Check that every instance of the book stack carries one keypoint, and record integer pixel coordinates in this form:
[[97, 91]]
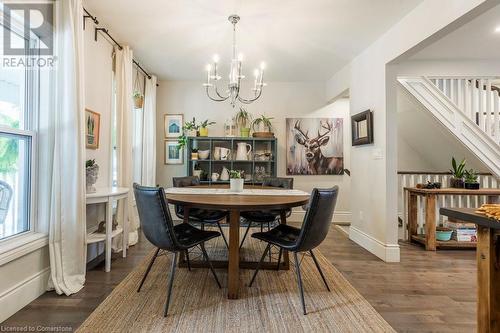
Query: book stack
[[463, 232]]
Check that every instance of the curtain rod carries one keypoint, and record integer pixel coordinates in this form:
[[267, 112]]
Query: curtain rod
[[106, 32]]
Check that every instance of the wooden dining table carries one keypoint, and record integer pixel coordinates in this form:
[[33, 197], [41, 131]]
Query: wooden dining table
[[234, 204]]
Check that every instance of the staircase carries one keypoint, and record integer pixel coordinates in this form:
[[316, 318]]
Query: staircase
[[468, 107]]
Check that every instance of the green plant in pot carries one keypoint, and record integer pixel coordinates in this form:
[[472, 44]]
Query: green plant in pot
[[91, 175], [262, 127], [457, 173], [138, 99], [190, 128], [243, 119], [204, 127], [236, 180], [471, 182]]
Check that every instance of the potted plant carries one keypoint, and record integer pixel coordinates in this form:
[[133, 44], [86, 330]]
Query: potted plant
[[91, 174], [194, 153], [236, 181], [197, 170], [204, 127], [243, 119], [471, 182], [138, 99], [443, 234], [190, 128], [457, 173], [262, 127]]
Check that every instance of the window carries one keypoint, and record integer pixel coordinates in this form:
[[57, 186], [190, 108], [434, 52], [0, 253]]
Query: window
[[18, 109]]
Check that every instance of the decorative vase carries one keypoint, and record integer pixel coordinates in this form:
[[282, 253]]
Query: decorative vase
[[204, 131], [472, 186], [197, 173], [224, 175], [138, 102], [91, 174], [236, 184], [245, 132], [456, 182], [192, 132], [194, 156]]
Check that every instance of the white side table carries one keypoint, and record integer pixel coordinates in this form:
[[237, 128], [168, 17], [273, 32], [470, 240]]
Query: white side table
[[108, 195]]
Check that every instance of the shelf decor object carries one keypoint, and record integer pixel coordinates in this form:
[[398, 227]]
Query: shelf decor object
[[235, 76], [260, 162], [362, 128]]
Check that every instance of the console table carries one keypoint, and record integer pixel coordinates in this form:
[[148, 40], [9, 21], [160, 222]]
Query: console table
[[430, 195], [108, 195], [488, 266]]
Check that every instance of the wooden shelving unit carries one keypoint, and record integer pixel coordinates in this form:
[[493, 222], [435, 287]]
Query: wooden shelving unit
[[211, 165], [451, 244]]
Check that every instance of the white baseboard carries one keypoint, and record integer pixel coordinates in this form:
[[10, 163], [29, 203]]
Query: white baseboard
[[15, 298], [339, 217], [386, 252]]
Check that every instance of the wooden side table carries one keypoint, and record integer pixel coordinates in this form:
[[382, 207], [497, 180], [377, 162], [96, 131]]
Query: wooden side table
[[430, 196], [108, 195]]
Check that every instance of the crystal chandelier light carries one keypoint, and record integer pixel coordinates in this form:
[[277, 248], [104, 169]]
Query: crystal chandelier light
[[235, 76]]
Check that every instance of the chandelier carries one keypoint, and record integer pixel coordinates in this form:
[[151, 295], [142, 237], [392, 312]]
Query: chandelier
[[235, 76]]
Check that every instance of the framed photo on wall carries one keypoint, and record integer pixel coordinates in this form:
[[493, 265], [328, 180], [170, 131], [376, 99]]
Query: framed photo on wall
[[173, 125], [362, 128], [173, 153], [92, 129]]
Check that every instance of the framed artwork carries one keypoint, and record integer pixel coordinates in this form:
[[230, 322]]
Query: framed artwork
[[173, 125], [173, 153], [92, 129], [362, 128], [314, 146]]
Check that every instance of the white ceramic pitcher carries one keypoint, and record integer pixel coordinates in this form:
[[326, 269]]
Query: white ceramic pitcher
[[242, 153], [224, 175]]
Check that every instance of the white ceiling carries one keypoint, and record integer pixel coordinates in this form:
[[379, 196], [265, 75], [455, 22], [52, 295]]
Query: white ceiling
[[475, 40], [299, 40]]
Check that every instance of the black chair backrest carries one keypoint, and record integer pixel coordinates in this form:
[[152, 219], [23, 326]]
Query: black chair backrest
[[318, 218], [185, 181], [282, 182], [156, 222]]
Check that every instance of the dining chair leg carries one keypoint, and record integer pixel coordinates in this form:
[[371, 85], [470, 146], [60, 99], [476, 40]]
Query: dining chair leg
[[259, 264], [319, 269], [299, 280], [222, 233], [148, 269], [279, 258], [202, 246], [187, 259], [170, 282], [246, 233]]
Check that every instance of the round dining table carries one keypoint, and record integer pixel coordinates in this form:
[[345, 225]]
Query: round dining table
[[234, 204]]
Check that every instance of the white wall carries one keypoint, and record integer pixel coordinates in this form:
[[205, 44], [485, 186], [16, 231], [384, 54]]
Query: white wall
[[372, 86], [279, 100]]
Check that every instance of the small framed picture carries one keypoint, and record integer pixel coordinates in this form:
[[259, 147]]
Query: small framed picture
[[92, 129], [173, 125], [362, 128], [173, 153]]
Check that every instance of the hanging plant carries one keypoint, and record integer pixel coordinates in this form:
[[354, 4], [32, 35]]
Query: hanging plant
[[138, 100]]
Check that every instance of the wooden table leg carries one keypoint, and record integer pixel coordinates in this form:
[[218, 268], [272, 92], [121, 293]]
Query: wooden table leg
[[430, 222], [286, 258], [412, 215], [488, 281], [233, 271], [109, 227]]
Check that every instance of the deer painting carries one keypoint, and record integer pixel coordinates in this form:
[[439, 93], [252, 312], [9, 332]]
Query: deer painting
[[317, 163]]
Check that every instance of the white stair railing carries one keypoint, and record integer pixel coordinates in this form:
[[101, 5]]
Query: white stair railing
[[412, 178], [476, 97]]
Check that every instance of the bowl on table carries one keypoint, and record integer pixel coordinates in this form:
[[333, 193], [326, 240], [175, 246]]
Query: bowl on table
[[203, 154]]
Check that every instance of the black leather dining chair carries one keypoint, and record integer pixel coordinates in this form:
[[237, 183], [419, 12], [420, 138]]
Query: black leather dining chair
[[202, 216], [267, 217], [157, 226], [314, 229]]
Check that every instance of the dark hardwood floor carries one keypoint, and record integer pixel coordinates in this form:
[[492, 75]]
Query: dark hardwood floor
[[425, 292]]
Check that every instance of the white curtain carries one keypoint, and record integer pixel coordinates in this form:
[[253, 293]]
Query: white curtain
[[62, 144], [124, 86], [149, 135]]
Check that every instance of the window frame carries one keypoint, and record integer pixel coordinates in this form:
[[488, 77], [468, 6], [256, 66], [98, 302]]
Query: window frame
[[14, 246]]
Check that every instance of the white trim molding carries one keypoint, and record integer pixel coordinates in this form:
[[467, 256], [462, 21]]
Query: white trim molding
[[386, 252], [22, 245], [15, 298]]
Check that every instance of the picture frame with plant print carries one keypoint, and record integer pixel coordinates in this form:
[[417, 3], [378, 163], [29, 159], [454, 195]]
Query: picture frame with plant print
[[92, 129], [174, 154]]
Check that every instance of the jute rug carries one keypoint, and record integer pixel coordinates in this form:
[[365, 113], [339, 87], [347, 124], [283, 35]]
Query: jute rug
[[272, 304]]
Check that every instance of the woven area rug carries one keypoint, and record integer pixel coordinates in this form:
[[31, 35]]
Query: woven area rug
[[272, 304]]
